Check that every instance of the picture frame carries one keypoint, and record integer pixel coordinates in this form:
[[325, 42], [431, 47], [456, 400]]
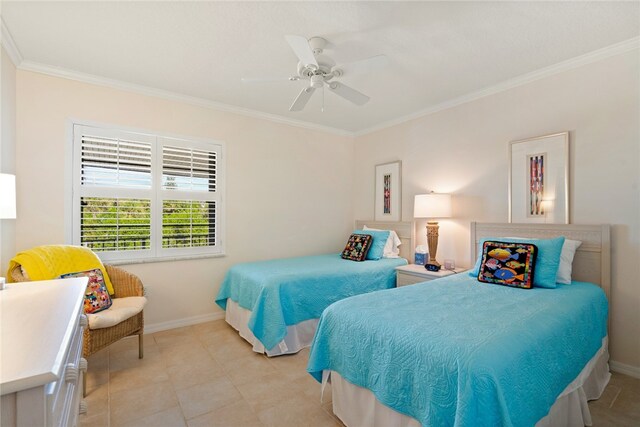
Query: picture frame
[[388, 192], [539, 179]]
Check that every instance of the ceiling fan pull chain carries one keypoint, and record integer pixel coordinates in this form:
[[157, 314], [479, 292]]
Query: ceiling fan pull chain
[[322, 109]]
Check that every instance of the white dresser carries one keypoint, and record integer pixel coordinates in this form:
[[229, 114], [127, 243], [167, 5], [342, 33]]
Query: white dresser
[[41, 364]]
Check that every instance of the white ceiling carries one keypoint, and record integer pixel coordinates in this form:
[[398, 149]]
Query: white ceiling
[[438, 51]]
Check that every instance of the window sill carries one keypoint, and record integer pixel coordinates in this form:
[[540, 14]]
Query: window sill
[[160, 259]]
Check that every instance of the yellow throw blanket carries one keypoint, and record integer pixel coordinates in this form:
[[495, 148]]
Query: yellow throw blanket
[[50, 261]]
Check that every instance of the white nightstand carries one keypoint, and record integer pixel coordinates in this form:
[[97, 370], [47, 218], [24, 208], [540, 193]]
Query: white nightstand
[[412, 273]]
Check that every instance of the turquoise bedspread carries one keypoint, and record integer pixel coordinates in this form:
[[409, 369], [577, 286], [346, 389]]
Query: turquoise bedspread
[[457, 352], [284, 292]]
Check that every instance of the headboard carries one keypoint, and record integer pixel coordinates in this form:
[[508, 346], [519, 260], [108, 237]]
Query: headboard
[[405, 231], [592, 262]]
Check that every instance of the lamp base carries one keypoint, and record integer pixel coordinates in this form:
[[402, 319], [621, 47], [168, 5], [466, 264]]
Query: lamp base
[[432, 241]]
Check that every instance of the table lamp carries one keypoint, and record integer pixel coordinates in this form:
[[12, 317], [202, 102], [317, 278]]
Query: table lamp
[[7, 202], [432, 206]]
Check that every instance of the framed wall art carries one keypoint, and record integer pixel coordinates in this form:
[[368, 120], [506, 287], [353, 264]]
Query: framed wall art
[[388, 189], [539, 179]]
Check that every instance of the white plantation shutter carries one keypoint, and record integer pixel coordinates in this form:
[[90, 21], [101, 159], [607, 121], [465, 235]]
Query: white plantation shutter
[[112, 162], [115, 224], [193, 226], [190, 196], [139, 196], [188, 169]]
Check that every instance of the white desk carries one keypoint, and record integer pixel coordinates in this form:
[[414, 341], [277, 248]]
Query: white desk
[[41, 364]]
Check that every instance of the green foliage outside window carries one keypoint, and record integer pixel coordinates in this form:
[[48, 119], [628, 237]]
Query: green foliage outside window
[[109, 224]]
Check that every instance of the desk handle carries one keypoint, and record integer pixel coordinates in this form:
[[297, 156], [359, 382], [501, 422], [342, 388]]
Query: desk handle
[[71, 373]]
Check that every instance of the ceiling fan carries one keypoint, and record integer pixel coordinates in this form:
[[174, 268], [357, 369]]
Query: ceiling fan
[[319, 70]]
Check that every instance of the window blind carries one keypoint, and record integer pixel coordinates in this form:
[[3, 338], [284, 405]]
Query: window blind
[[185, 168], [188, 223], [115, 224], [111, 162], [139, 196]]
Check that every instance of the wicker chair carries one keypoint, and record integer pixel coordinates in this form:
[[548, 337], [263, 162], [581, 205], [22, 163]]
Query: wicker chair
[[125, 285]]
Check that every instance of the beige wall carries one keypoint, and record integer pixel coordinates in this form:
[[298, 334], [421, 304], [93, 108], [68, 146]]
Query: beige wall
[[284, 183], [7, 150], [463, 150]]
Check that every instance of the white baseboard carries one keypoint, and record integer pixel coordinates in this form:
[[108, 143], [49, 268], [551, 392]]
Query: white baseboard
[[621, 368], [178, 323]]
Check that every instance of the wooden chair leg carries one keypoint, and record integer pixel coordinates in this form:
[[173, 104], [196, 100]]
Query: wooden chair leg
[[140, 347]]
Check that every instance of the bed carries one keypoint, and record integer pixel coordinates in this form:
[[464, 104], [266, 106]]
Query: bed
[[458, 352], [275, 304]]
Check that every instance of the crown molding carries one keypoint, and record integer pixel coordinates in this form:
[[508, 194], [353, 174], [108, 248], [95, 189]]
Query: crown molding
[[10, 45], [579, 61], [172, 96], [597, 55]]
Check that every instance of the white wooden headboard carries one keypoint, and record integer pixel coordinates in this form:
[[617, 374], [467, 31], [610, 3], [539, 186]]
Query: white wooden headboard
[[592, 262], [404, 229]]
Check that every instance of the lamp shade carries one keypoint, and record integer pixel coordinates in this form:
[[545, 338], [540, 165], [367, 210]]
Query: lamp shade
[[7, 196], [432, 206]]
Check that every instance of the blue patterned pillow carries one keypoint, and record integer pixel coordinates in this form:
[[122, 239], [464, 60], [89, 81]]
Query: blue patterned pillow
[[510, 264], [547, 262], [377, 246]]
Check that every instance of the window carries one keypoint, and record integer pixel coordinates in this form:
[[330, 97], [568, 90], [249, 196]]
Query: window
[[139, 197]]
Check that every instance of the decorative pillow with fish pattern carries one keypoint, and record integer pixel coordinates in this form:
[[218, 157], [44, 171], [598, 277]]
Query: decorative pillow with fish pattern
[[357, 247], [510, 264]]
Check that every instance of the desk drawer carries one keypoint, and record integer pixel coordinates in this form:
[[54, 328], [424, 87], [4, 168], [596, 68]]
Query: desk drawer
[[63, 399], [403, 279]]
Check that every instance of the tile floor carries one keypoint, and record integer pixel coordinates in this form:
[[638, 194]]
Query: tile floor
[[206, 375]]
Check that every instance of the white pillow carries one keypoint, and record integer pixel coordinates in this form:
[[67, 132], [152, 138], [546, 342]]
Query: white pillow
[[391, 247], [566, 260]]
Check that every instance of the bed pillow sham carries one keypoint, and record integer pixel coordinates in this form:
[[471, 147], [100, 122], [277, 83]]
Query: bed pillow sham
[[547, 262], [566, 261], [509, 264], [566, 258], [391, 249], [377, 245], [357, 247]]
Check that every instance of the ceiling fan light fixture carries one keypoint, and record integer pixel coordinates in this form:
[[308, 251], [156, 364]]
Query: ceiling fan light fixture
[[317, 81]]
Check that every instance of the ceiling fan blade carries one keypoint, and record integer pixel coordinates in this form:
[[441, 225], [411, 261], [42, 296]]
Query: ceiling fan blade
[[302, 99], [267, 79], [348, 93], [363, 65], [301, 48]]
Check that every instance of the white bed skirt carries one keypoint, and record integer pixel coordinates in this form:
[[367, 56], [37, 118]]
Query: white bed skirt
[[298, 336], [357, 406]]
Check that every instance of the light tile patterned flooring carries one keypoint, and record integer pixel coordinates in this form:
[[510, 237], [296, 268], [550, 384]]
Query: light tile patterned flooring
[[206, 375]]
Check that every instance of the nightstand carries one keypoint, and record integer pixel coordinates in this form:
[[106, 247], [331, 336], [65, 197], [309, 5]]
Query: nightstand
[[412, 273]]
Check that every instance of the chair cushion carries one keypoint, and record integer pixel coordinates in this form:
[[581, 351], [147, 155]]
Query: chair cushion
[[121, 309]]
